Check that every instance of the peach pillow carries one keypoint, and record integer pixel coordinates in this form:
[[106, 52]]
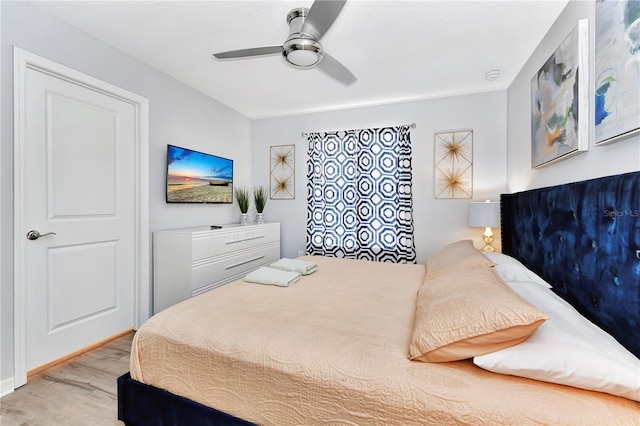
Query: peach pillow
[[455, 256], [469, 313]]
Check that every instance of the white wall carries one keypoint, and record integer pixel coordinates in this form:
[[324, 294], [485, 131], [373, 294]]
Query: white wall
[[436, 222], [603, 160], [178, 115]]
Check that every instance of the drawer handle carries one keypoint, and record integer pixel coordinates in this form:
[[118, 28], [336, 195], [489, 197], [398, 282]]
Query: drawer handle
[[242, 263], [244, 239]]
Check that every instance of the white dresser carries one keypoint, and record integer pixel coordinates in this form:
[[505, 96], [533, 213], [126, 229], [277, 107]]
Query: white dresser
[[190, 261]]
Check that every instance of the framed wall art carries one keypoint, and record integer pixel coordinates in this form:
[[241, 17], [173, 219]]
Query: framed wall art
[[283, 172], [453, 164], [617, 67], [559, 101]]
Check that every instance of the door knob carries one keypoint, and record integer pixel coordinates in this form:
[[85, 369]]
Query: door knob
[[34, 235]]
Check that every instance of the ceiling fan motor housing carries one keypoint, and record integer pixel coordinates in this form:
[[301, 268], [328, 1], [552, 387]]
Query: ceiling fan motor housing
[[300, 50]]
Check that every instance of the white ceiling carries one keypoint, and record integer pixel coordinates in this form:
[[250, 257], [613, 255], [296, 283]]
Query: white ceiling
[[398, 50]]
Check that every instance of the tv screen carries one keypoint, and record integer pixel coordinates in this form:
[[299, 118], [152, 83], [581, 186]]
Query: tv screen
[[196, 177]]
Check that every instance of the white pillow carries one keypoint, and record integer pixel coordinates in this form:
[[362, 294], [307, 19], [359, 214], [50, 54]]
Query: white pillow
[[511, 269], [567, 349]]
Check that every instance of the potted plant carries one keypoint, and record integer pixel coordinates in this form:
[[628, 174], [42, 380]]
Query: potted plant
[[242, 197], [260, 195]]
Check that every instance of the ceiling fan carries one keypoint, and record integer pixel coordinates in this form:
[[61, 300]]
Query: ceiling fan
[[302, 48]]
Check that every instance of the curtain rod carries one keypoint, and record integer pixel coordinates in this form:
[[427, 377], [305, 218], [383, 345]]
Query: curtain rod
[[412, 125]]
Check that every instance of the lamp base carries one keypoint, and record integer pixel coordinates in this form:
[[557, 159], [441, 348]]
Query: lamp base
[[488, 239]]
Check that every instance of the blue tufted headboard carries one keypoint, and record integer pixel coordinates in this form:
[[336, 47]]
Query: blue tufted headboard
[[584, 239]]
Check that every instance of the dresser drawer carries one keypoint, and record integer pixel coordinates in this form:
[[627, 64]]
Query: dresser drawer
[[208, 271], [227, 241], [191, 261]]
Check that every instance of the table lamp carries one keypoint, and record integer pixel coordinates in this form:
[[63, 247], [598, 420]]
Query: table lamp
[[485, 215]]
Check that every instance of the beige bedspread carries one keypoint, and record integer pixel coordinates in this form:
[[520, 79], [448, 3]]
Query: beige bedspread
[[333, 349]]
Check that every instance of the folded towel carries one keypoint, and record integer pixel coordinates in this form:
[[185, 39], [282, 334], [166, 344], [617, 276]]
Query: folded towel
[[264, 275], [301, 266]]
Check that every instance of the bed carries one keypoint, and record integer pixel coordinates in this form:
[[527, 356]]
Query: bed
[[354, 342]]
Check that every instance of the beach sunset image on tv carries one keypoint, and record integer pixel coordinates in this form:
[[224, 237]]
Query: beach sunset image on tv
[[196, 177]]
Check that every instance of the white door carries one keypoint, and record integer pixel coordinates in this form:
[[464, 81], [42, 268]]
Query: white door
[[78, 185]]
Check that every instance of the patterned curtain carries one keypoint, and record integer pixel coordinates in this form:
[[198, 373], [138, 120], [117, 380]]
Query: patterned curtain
[[359, 195]]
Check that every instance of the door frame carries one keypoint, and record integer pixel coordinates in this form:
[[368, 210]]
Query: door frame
[[22, 61]]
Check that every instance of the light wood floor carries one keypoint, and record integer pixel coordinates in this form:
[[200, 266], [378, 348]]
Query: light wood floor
[[79, 392]]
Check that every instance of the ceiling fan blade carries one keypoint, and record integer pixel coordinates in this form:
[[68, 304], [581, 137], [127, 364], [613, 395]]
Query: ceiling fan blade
[[321, 16], [332, 67], [243, 53]]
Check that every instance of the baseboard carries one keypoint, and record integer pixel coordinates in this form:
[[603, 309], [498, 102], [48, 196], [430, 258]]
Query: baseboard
[[6, 386], [81, 351]]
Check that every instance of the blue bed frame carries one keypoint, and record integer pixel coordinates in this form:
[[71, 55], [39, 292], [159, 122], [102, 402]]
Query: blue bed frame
[[582, 237], [142, 405]]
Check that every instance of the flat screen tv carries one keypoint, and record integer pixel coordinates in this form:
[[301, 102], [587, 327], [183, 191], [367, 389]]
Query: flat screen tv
[[196, 177]]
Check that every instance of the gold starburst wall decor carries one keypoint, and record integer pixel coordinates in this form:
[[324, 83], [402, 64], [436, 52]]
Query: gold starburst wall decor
[[453, 164], [283, 172]]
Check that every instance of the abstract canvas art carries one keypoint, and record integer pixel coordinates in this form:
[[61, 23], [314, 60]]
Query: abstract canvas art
[[283, 172], [559, 101], [453, 164], [617, 67]]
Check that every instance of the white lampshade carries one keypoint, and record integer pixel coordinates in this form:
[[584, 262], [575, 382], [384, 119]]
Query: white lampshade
[[485, 214]]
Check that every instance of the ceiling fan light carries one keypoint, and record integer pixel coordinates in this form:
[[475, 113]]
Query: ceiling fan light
[[302, 52], [303, 58]]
